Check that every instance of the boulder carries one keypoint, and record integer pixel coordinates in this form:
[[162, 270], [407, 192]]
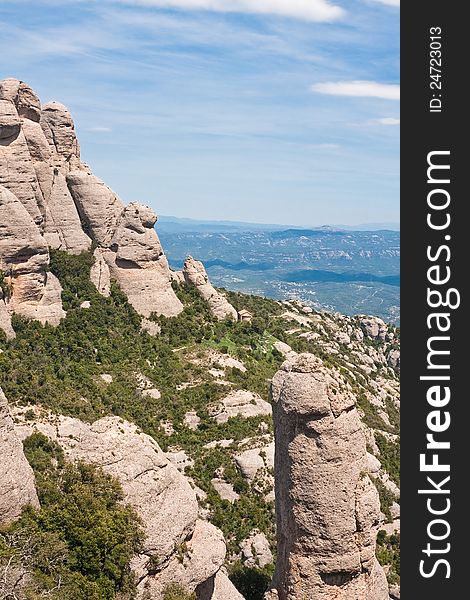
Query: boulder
[[59, 130], [239, 403], [251, 461], [373, 327], [98, 206], [255, 550], [218, 587]]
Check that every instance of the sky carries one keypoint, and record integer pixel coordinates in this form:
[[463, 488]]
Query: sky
[[270, 111]]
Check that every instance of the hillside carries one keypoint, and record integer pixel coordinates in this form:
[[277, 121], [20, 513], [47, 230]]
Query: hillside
[[151, 465]]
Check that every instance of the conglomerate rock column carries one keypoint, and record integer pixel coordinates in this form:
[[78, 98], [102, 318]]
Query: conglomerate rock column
[[327, 508]]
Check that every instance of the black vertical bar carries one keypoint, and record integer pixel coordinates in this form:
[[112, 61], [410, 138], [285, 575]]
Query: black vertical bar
[[434, 118]]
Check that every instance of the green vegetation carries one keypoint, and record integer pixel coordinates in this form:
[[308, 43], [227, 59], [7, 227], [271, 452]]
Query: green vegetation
[[79, 545], [371, 415], [386, 499], [4, 286], [59, 369], [252, 582], [388, 553], [389, 456], [393, 414]]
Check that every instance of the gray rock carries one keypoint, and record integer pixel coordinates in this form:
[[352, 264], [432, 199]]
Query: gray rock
[[218, 587], [373, 327], [393, 359], [139, 264], [241, 403], [255, 550], [251, 461], [195, 563], [10, 123], [99, 207], [99, 273], [192, 420], [327, 508], [59, 130], [17, 485], [35, 293], [150, 327], [23, 97], [195, 274], [224, 489], [5, 319], [185, 549]]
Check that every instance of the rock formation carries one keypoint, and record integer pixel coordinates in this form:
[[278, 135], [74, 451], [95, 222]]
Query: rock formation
[[179, 547], [56, 202], [32, 291], [327, 508], [195, 274], [17, 486]]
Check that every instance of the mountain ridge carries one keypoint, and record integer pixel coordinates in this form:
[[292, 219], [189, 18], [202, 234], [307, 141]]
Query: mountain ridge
[[144, 400]]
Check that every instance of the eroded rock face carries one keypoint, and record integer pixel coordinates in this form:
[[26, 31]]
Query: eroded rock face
[[373, 327], [179, 547], [17, 485], [38, 147], [5, 318], [327, 508], [195, 274], [24, 257], [40, 165], [138, 263]]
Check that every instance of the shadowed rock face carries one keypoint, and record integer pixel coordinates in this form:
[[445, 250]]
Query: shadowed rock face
[[327, 508], [17, 485]]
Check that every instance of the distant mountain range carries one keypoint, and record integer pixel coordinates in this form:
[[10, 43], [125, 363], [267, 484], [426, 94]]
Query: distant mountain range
[[344, 270], [172, 223]]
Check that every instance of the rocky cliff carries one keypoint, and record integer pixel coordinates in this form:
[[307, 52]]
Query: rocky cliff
[[327, 508], [160, 494], [177, 409], [50, 199]]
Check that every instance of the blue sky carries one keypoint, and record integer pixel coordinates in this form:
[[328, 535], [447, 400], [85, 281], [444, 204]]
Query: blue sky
[[279, 111]]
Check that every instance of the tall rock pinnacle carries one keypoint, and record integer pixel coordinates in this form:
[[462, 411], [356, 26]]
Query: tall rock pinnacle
[[327, 508], [195, 274]]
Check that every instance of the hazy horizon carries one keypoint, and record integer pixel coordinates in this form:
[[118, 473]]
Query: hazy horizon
[[392, 226]]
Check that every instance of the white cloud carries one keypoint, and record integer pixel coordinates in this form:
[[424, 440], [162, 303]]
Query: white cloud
[[309, 10], [388, 121], [366, 89], [389, 2]]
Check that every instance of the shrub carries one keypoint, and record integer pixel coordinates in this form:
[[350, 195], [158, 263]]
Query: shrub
[[79, 545]]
